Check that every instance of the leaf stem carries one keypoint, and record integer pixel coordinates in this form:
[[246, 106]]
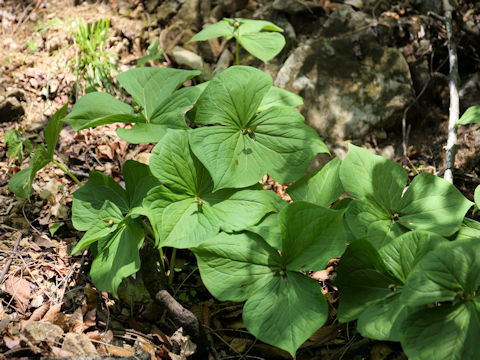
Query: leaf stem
[[237, 53], [66, 171], [172, 266]]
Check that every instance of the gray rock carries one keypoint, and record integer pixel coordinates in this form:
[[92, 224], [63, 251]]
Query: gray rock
[[10, 110], [350, 84]]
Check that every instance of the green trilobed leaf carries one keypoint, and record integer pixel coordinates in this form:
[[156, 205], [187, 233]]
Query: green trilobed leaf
[[138, 181], [89, 199], [232, 97], [370, 282], [469, 229], [109, 213], [167, 115], [452, 270], [53, 129], [406, 251], [449, 275], [263, 45], [234, 267], [447, 332], [117, 256], [382, 213], [97, 108], [173, 164], [109, 217], [188, 213], [284, 308], [280, 97], [433, 204], [269, 230], [321, 187], [142, 133], [246, 145], [372, 178], [361, 214], [295, 309], [471, 116], [312, 235], [150, 87], [221, 28]]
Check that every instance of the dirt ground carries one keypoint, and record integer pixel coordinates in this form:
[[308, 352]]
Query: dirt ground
[[43, 285]]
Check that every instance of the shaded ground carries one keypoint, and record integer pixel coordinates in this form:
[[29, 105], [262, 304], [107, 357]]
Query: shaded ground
[[43, 282]]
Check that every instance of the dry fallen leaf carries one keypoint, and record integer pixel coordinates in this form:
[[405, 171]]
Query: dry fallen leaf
[[19, 288], [76, 321], [54, 309], [79, 345]]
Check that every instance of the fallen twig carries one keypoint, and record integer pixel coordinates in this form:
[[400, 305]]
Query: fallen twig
[[10, 259], [186, 319], [453, 84]]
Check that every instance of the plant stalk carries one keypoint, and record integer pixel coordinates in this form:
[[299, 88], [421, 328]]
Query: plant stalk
[[453, 84], [237, 53], [66, 171], [172, 266]]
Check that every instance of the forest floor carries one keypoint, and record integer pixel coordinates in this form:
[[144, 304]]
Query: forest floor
[[42, 284]]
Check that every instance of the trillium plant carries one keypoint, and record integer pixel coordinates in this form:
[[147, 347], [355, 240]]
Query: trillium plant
[[409, 267]]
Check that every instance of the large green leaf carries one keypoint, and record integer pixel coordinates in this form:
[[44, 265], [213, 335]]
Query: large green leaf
[[370, 282], [109, 214], [232, 97], [98, 108], [449, 278], [185, 211], [433, 204], [118, 256], [312, 235], [447, 332], [287, 311], [321, 187], [471, 116], [247, 145], [372, 178], [469, 229], [150, 87], [280, 97], [382, 213], [169, 114], [283, 308], [89, 199], [109, 217]]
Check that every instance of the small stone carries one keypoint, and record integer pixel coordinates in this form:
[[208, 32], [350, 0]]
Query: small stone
[[187, 58], [223, 62], [43, 331], [37, 301]]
